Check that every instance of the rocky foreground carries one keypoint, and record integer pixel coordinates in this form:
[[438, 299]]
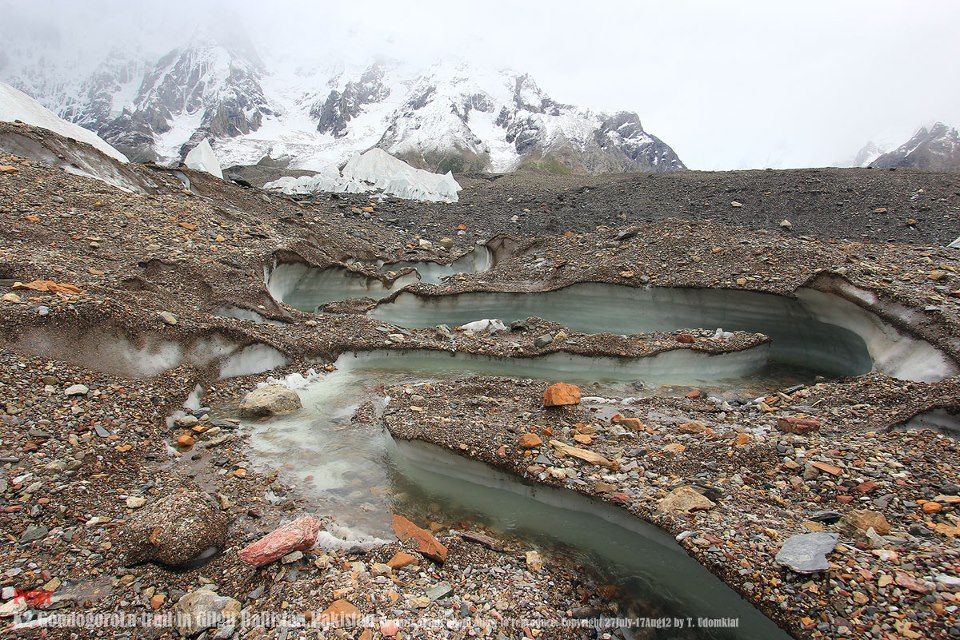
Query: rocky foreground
[[111, 499]]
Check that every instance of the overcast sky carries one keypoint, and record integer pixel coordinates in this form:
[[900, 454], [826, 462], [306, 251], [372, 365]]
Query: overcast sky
[[728, 84]]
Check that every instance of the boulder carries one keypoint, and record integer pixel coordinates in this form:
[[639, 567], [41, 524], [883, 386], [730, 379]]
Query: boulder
[[203, 609], [270, 400], [684, 500], [807, 552], [299, 535], [561, 394], [427, 545], [176, 530]]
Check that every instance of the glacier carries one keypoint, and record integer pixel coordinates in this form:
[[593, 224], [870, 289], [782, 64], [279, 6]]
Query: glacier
[[202, 158], [16, 105], [375, 170]]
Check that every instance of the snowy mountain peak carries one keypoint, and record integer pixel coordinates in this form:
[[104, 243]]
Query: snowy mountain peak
[[448, 116], [935, 147]]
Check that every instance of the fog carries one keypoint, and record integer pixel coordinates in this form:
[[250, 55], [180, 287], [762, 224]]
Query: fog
[[728, 85]]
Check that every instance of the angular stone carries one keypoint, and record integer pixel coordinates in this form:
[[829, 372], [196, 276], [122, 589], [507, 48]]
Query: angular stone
[[427, 545], [684, 500], [864, 519], [270, 400], [694, 426], [439, 591], [340, 614], [299, 535], [401, 559], [534, 561], [174, 530], [800, 426], [807, 552], [828, 468], [530, 441], [204, 609], [582, 454], [561, 394]]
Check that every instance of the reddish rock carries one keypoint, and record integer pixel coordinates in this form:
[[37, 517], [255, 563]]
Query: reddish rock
[[694, 394], [866, 487], [561, 394], [340, 613], [426, 543], [299, 535], [829, 468], [530, 441], [400, 560], [633, 424], [800, 426], [684, 338]]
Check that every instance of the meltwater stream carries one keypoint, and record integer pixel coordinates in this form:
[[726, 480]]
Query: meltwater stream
[[358, 473]]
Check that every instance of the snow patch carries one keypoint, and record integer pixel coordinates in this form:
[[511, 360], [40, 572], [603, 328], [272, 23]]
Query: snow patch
[[16, 105]]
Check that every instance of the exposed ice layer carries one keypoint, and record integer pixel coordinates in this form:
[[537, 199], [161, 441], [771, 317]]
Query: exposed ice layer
[[306, 288], [76, 159], [202, 158], [678, 367], [397, 178], [147, 355], [818, 331], [892, 351], [16, 105], [374, 170], [940, 419], [658, 569], [478, 260], [255, 358]]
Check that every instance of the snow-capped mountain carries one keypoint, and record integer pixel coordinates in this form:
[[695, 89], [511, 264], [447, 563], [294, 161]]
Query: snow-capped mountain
[[870, 152], [449, 116], [936, 147]]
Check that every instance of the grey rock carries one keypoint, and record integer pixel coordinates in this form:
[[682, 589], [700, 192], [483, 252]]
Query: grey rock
[[270, 400], [76, 390], [439, 591], [202, 610], [542, 341], [807, 552], [168, 318], [33, 533]]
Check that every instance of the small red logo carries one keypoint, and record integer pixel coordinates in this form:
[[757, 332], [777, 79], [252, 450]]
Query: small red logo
[[34, 596]]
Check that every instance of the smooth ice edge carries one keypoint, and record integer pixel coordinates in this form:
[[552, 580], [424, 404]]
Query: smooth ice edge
[[202, 158], [117, 354], [305, 287], [679, 366], [255, 358], [939, 419], [372, 170], [894, 352], [16, 105], [819, 330], [651, 553]]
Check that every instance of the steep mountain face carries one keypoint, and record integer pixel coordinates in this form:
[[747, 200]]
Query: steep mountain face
[[448, 117], [460, 119], [334, 114], [936, 148], [870, 152], [202, 91]]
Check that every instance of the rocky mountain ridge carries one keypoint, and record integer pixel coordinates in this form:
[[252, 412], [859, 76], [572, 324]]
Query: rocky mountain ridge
[[449, 116]]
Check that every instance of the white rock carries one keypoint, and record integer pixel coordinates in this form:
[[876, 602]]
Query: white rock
[[76, 390]]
